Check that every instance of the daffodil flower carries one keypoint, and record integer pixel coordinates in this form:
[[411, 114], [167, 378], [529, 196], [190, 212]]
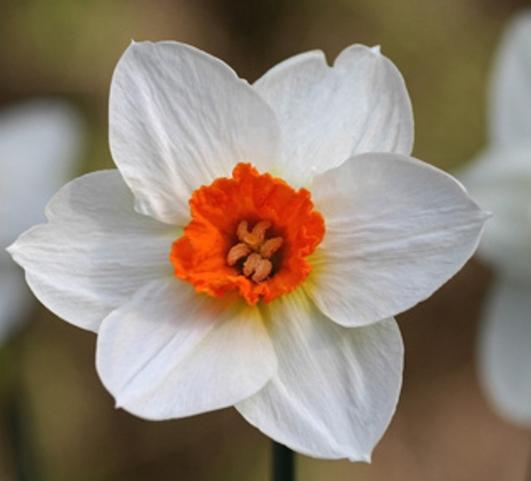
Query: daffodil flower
[[255, 243], [501, 178], [39, 141]]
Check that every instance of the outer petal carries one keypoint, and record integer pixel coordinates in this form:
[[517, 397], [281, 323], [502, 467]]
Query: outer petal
[[505, 354], [95, 251], [501, 181], [171, 352], [336, 389], [39, 142], [179, 118], [396, 230], [510, 115], [328, 113]]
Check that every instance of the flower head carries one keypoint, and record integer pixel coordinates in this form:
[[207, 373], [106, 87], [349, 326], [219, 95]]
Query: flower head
[[38, 145], [501, 179], [254, 243]]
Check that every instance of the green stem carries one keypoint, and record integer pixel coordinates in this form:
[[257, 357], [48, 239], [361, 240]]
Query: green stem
[[283, 463]]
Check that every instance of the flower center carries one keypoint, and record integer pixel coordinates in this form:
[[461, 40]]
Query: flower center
[[254, 252], [250, 233]]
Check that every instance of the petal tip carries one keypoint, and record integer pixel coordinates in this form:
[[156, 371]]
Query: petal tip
[[13, 250], [364, 458], [10, 249], [483, 216], [486, 215]]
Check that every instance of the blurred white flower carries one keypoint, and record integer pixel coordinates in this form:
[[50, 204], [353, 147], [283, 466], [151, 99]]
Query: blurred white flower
[[38, 143], [501, 179], [199, 284]]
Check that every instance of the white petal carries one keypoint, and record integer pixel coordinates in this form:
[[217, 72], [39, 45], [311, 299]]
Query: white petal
[[328, 113], [39, 142], [510, 115], [396, 230], [500, 180], [505, 354], [179, 118], [15, 298], [95, 251], [336, 389], [171, 352]]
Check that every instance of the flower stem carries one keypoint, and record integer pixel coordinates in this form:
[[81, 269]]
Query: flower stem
[[283, 463]]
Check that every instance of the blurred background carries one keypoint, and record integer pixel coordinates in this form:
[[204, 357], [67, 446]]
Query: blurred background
[[58, 423]]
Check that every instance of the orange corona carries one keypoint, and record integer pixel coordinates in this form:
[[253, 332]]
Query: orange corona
[[249, 233]]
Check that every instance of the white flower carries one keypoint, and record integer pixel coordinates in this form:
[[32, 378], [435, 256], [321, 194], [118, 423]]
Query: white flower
[[501, 179], [314, 361], [38, 141]]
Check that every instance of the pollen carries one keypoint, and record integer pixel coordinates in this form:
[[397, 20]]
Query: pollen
[[251, 234]]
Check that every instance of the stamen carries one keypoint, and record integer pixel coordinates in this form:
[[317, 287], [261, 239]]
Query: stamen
[[238, 252], [251, 264], [255, 238], [260, 229], [270, 246], [262, 270], [242, 230], [255, 249]]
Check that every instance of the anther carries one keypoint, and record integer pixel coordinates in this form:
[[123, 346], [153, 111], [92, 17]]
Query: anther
[[255, 238], [262, 270], [260, 229], [242, 230], [270, 246], [238, 252], [251, 264]]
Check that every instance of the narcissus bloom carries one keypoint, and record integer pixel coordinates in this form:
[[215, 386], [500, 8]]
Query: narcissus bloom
[[255, 243], [501, 178], [39, 141]]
